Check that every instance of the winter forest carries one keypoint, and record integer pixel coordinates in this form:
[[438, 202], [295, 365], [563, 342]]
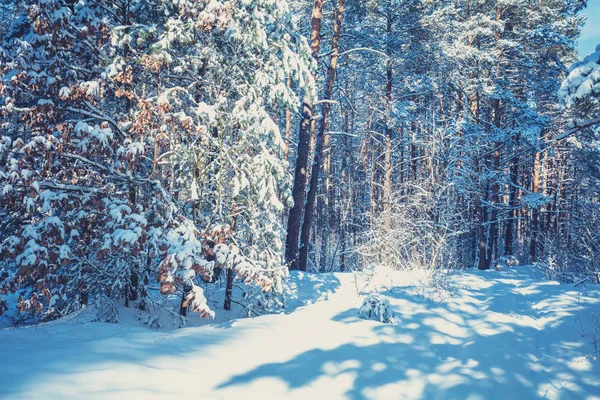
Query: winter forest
[[363, 199]]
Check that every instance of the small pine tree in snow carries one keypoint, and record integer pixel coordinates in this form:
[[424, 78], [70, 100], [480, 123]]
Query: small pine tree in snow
[[376, 307]]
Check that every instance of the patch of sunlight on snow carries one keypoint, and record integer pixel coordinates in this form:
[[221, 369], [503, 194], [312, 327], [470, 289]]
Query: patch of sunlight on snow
[[474, 282], [515, 282], [580, 364], [552, 322], [457, 319], [535, 367], [408, 309], [498, 374], [324, 387], [333, 368], [442, 325], [475, 374], [388, 331], [484, 328], [379, 367], [467, 369], [438, 339], [410, 388], [447, 381], [522, 380], [514, 319], [468, 308], [526, 291], [559, 301], [405, 339], [565, 376], [475, 397], [546, 283], [556, 389], [389, 335], [450, 364], [275, 386]]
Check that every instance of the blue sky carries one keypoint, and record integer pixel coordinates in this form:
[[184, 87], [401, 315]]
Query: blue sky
[[590, 35]]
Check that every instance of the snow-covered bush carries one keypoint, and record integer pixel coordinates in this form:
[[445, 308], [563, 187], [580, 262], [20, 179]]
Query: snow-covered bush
[[435, 285], [424, 232], [376, 307], [570, 258], [506, 262]]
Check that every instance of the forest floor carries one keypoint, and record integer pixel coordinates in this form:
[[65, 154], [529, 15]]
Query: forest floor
[[474, 335]]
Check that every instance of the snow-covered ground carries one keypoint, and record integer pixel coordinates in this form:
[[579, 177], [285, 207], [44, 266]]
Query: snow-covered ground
[[503, 335]]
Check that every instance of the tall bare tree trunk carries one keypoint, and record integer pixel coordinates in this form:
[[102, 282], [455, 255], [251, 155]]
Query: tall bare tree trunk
[[304, 134], [345, 200], [323, 129], [535, 212], [480, 221], [492, 244], [288, 127], [512, 202], [387, 178], [230, 272]]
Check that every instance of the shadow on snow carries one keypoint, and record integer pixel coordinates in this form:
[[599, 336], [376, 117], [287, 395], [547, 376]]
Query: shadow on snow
[[495, 340]]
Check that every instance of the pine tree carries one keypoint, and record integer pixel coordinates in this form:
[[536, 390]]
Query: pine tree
[[124, 114]]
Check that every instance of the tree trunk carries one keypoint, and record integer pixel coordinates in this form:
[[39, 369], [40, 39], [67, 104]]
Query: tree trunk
[[228, 289], [132, 284], [512, 214], [535, 212], [288, 127], [230, 271], [304, 135], [492, 245], [387, 178], [323, 129]]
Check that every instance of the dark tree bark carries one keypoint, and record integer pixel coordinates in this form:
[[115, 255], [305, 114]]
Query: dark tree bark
[[228, 289], [187, 288], [323, 129], [492, 244], [387, 177], [535, 211], [230, 272], [304, 135], [512, 213]]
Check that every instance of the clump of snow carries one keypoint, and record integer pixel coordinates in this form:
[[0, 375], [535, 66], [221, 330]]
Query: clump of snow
[[221, 253], [92, 88], [208, 111], [64, 93], [197, 301], [583, 80], [535, 200]]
